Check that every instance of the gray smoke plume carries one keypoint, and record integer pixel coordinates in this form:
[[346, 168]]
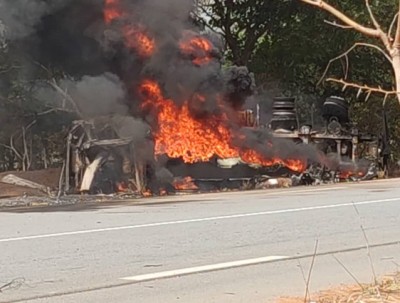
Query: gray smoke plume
[[21, 18], [71, 35], [3, 38], [129, 127], [98, 96], [92, 96]]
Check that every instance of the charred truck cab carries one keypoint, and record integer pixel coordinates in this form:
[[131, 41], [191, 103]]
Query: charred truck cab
[[346, 152], [354, 154]]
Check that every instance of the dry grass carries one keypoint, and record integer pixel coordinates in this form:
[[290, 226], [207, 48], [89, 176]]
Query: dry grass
[[386, 291]]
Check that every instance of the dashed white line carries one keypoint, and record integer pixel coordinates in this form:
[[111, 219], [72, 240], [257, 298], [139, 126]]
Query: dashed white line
[[187, 221], [202, 269]]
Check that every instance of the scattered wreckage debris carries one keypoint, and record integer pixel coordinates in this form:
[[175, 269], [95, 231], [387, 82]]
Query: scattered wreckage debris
[[14, 180], [37, 183], [99, 161], [196, 133]]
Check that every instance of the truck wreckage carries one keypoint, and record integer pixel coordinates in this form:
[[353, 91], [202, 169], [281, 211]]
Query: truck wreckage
[[100, 161]]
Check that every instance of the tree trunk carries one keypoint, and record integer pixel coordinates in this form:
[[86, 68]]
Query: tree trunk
[[32, 163], [44, 158], [25, 157], [396, 69]]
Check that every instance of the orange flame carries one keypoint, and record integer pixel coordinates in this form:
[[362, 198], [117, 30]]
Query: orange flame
[[163, 192], [137, 39], [198, 48], [147, 194], [251, 156], [186, 183], [135, 36], [347, 174], [122, 187], [112, 11], [179, 135]]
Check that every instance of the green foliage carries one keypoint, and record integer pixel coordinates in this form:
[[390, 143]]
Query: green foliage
[[296, 46], [244, 23]]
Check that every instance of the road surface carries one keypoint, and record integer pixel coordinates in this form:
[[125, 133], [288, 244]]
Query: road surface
[[223, 247]]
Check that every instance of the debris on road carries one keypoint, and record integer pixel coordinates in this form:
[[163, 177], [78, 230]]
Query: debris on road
[[275, 183], [45, 200], [14, 180], [46, 178]]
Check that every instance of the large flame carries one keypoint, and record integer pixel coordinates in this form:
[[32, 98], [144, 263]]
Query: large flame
[[197, 47], [186, 183], [180, 135], [136, 38], [112, 11], [251, 156]]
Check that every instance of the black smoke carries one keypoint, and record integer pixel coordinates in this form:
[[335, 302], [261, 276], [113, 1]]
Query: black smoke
[[103, 74], [71, 35]]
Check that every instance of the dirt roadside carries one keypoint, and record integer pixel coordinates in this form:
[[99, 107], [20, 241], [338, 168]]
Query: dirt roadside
[[387, 290], [48, 178]]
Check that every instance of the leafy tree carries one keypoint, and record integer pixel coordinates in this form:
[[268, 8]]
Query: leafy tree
[[243, 23], [295, 51]]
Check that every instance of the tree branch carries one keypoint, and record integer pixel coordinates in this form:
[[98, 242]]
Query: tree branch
[[346, 53], [12, 147], [49, 111], [371, 32], [334, 23], [372, 16], [392, 25], [54, 84], [8, 69], [229, 37], [6, 146], [384, 37], [363, 88], [203, 9], [397, 37]]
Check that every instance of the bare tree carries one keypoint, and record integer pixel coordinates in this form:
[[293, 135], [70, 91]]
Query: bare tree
[[387, 43]]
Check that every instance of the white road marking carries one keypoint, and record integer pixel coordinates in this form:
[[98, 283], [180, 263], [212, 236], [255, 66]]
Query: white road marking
[[280, 192], [217, 218], [202, 269], [219, 196], [259, 193]]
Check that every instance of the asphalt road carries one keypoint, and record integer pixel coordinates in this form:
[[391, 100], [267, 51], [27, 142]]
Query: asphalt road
[[225, 247]]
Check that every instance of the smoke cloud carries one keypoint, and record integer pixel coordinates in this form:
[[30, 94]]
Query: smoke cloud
[[98, 96], [22, 18], [109, 54]]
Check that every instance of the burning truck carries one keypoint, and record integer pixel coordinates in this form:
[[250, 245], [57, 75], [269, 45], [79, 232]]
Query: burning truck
[[184, 126], [102, 161]]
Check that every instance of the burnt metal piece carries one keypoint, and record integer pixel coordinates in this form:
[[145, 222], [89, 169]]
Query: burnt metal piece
[[284, 114], [336, 109]]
